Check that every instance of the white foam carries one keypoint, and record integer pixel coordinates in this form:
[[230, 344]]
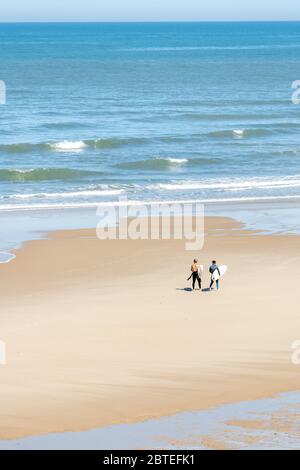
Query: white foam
[[68, 146], [177, 161], [6, 257], [233, 185], [118, 203], [239, 132], [22, 171], [100, 192]]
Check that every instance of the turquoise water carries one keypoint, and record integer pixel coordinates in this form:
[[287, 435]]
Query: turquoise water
[[152, 112]]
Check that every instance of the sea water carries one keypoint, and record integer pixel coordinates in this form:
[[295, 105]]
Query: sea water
[[148, 112]]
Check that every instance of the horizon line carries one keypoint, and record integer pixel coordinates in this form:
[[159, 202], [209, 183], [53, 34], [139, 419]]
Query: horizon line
[[147, 21]]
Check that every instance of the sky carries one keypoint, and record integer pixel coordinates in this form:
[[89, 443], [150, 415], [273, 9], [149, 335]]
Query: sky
[[148, 10]]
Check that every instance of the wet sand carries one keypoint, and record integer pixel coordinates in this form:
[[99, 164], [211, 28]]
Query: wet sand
[[106, 332]]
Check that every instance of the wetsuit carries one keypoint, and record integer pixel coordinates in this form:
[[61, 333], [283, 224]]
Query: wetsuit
[[212, 269], [196, 277]]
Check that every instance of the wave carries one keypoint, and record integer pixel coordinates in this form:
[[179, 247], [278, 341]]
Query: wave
[[286, 153], [65, 195], [160, 164], [61, 206], [40, 174], [71, 146], [225, 117], [110, 143], [21, 147], [233, 185], [174, 139], [234, 102], [239, 133], [155, 164], [273, 128], [68, 146], [65, 125], [28, 147]]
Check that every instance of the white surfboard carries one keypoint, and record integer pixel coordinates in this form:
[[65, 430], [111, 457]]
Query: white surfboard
[[216, 276], [201, 269]]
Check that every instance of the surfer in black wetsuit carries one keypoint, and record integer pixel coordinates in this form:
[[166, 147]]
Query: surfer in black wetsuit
[[195, 274], [212, 269]]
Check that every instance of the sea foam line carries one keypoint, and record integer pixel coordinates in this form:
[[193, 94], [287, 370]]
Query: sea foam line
[[91, 205], [104, 192], [6, 257], [232, 185]]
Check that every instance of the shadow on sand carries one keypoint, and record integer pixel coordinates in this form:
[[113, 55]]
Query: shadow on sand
[[185, 289], [189, 289]]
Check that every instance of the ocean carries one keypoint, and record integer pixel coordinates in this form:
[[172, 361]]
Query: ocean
[[157, 111], [148, 112]]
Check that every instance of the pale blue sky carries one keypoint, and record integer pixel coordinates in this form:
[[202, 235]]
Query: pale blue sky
[[148, 10]]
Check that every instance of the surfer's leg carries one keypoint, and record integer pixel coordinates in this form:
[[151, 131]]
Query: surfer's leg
[[199, 282], [211, 284], [218, 284], [194, 282]]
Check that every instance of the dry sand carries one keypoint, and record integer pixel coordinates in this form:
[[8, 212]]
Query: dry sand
[[102, 332]]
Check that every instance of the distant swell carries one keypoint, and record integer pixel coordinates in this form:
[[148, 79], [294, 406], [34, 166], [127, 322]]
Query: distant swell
[[65, 125], [111, 143], [160, 164], [22, 148], [239, 133], [217, 117]]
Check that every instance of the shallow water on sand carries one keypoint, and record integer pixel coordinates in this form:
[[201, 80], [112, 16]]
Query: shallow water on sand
[[271, 423], [18, 227]]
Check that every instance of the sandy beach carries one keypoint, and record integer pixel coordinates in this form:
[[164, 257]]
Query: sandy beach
[[103, 332]]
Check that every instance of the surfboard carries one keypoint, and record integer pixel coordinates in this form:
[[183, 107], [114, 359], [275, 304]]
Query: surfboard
[[216, 276]]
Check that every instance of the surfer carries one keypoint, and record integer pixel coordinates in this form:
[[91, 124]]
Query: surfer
[[195, 274], [212, 269]]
